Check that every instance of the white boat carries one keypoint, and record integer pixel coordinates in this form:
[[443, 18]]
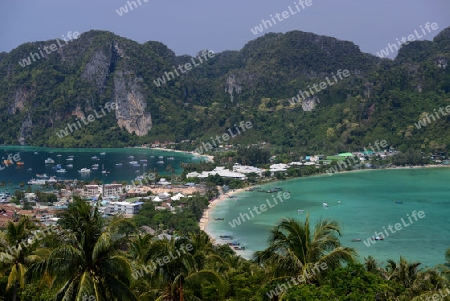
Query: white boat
[[35, 153], [300, 210], [36, 182], [119, 164], [69, 159], [160, 157], [41, 175], [143, 160], [171, 158], [325, 205], [160, 162], [133, 162], [102, 154], [58, 155], [62, 170], [84, 170], [94, 158], [130, 157], [94, 165], [69, 166], [49, 161]]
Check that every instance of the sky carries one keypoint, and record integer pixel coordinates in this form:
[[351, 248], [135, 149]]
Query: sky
[[189, 26]]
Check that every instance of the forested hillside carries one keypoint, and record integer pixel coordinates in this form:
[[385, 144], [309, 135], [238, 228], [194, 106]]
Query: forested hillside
[[381, 99]]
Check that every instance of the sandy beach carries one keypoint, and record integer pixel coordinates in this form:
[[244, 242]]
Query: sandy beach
[[222, 198], [209, 158]]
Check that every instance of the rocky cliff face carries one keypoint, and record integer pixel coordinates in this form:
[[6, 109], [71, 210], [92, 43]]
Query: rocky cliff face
[[131, 104]]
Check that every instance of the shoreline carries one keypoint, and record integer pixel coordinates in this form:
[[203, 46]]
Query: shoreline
[[204, 220], [208, 157]]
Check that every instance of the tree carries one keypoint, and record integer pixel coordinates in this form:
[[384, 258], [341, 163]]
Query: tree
[[296, 250], [17, 253], [88, 261]]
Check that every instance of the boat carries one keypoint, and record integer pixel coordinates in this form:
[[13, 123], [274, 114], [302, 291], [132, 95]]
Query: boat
[[102, 154], [29, 169], [69, 159], [377, 238], [20, 163], [62, 170], [356, 239], [300, 210], [133, 162], [152, 157], [239, 248], [103, 171], [7, 162], [95, 165], [339, 202], [69, 166], [49, 161], [233, 243], [160, 162], [143, 160], [58, 155], [71, 156], [219, 219], [94, 158], [119, 164], [171, 158], [35, 153], [41, 175], [226, 237], [399, 202], [325, 205], [84, 170]]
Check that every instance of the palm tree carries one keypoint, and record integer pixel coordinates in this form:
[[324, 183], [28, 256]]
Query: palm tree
[[296, 250], [444, 269], [87, 262], [18, 252], [180, 278], [416, 281], [372, 265], [404, 273]]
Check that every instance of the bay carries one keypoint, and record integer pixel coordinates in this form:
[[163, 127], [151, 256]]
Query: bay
[[367, 205], [34, 159]]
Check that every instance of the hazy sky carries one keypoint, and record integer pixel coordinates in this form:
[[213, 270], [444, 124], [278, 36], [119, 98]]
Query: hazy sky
[[191, 25]]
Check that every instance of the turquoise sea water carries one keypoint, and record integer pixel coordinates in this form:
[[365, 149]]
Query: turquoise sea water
[[82, 159], [367, 205]]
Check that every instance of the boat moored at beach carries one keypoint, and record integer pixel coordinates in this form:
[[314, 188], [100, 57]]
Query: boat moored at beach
[[226, 237], [49, 161]]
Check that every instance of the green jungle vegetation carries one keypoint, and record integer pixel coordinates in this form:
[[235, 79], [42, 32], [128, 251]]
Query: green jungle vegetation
[[382, 99], [110, 259]]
